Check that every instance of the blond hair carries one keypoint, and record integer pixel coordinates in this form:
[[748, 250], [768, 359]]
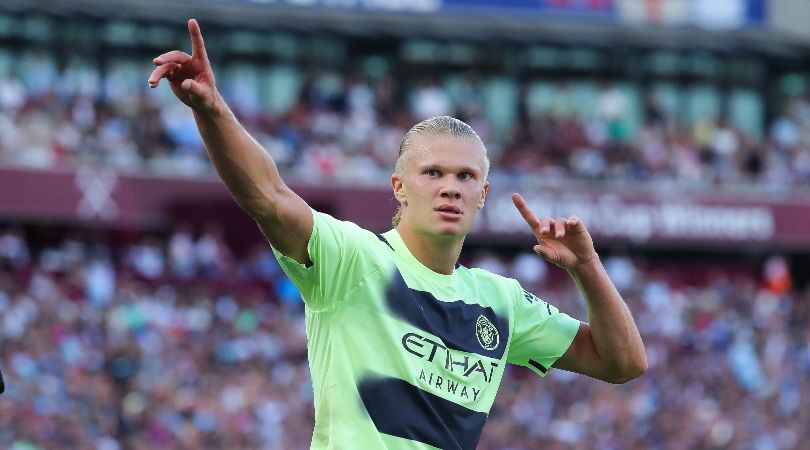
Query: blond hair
[[434, 126]]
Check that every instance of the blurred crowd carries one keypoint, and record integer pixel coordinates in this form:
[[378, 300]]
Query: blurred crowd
[[348, 128], [177, 342], [708, 153]]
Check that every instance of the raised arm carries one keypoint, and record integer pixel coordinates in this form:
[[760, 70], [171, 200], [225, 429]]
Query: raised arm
[[246, 168], [609, 346]]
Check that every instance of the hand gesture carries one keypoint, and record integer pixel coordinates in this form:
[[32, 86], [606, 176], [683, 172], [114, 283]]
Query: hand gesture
[[189, 76], [564, 242]]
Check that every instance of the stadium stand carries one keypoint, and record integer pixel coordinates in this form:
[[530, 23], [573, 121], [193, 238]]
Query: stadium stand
[[173, 343], [132, 319]]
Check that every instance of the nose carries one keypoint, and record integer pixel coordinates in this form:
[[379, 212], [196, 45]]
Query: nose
[[450, 190]]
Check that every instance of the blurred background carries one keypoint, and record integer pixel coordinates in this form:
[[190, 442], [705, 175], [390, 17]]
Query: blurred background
[[140, 308]]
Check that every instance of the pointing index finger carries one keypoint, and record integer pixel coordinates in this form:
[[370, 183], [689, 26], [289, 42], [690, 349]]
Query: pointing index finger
[[525, 211], [197, 43]]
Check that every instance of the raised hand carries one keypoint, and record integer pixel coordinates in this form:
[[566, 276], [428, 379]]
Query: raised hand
[[189, 76], [564, 242]]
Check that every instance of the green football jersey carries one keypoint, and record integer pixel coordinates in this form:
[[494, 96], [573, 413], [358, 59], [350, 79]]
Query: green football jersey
[[403, 357]]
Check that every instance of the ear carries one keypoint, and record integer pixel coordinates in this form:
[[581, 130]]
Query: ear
[[484, 191], [399, 189]]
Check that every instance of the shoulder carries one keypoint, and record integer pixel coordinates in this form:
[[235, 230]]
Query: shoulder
[[328, 222], [484, 277], [350, 233]]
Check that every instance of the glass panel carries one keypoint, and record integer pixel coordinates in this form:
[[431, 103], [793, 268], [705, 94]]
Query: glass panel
[[583, 97], [634, 112], [704, 64], [121, 33], [582, 58], [664, 62], [328, 50], [124, 79], [793, 84], [748, 70], [500, 103], [83, 37], [456, 87], [281, 88], [462, 53], [243, 42], [81, 77], [668, 98], [375, 66], [542, 56], [160, 36], [703, 103], [540, 97], [37, 28], [746, 111], [283, 45], [6, 62], [37, 72], [241, 86], [6, 25], [419, 51]]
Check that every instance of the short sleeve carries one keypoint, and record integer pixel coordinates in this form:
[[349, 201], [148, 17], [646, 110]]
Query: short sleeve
[[541, 333], [336, 263]]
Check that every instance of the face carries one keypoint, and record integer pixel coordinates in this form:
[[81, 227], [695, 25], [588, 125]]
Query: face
[[442, 186]]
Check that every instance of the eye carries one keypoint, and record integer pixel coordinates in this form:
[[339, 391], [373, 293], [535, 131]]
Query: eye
[[464, 176], [432, 173]]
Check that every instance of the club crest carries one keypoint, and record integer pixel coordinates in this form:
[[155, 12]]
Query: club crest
[[486, 333]]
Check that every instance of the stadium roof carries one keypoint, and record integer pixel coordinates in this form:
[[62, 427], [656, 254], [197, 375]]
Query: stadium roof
[[547, 28]]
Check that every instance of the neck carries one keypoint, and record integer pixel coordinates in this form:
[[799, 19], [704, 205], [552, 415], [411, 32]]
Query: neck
[[438, 254]]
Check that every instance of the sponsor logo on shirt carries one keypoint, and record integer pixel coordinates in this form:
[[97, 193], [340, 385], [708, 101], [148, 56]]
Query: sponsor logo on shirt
[[455, 364]]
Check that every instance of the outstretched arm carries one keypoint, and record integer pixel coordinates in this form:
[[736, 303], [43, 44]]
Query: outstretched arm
[[609, 347], [247, 170]]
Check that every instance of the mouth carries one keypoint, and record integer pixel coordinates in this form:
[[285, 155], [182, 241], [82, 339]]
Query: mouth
[[449, 209]]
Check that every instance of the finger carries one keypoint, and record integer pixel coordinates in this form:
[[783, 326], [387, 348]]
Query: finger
[[194, 88], [543, 251], [544, 226], [559, 228], [197, 43], [173, 56], [161, 72], [525, 211], [574, 223]]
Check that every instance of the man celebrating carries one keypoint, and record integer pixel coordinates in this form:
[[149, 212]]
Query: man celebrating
[[407, 348]]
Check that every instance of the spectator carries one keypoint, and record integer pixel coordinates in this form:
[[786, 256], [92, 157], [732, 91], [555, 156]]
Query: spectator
[[221, 364]]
